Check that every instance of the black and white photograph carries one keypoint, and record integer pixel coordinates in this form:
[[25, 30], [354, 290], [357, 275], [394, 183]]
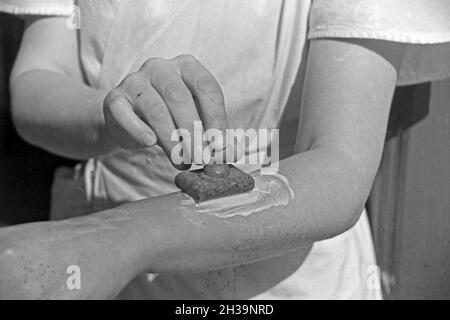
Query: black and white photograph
[[224, 155]]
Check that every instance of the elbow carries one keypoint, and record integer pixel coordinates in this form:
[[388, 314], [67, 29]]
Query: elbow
[[355, 191], [350, 181], [343, 220], [352, 217], [20, 108], [20, 122]]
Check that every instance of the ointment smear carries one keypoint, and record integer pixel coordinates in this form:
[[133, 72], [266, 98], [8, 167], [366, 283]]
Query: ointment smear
[[270, 191]]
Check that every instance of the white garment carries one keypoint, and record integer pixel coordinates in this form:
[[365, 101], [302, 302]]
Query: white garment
[[254, 49], [423, 24], [38, 7]]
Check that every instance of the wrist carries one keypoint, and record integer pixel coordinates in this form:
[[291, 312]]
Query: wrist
[[105, 144], [104, 141], [137, 240]]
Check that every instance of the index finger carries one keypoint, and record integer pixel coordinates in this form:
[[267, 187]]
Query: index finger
[[206, 91]]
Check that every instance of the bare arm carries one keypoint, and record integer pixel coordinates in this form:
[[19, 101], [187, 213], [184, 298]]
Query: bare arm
[[51, 106], [347, 97], [55, 110]]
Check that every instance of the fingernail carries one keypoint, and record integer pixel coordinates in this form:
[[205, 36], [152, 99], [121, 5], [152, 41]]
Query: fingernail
[[148, 139]]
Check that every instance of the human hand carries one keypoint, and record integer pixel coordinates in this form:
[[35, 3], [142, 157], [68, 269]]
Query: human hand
[[148, 106]]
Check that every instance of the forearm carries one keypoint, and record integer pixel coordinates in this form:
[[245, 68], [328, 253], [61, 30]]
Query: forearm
[[161, 235], [61, 115], [35, 259], [329, 197]]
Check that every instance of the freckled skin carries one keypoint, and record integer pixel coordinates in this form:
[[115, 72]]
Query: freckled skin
[[112, 247], [34, 264]]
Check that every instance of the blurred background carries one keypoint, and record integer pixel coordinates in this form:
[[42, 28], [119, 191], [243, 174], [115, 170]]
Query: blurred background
[[409, 206]]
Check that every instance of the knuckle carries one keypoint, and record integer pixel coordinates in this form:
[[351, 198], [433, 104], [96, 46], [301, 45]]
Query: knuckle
[[131, 80], [109, 98], [113, 97], [160, 117], [207, 84], [152, 62], [186, 58], [119, 101], [156, 111], [156, 108], [176, 92]]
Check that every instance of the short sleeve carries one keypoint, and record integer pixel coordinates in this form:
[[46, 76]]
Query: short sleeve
[[422, 24], [38, 7]]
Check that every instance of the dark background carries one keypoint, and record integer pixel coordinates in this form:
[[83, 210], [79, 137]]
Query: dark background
[[409, 207], [26, 172]]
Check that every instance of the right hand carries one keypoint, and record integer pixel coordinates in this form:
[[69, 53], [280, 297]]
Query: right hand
[[164, 95]]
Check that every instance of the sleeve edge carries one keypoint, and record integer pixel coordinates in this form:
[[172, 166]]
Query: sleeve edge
[[15, 10], [402, 37]]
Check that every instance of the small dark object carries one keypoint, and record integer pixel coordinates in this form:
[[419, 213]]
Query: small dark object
[[202, 187]]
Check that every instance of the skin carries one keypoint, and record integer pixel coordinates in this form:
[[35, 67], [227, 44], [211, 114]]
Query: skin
[[144, 109], [347, 94]]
